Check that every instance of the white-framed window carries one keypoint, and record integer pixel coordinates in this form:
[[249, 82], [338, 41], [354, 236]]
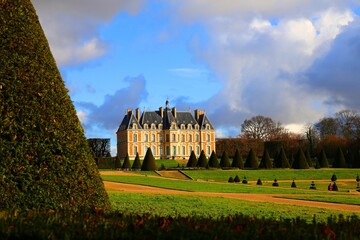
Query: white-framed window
[[197, 150], [135, 137], [160, 137], [174, 151], [153, 139], [208, 149], [153, 150], [189, 127], [182, 126], [134, 126], [167, 150], [146, 137], [183, 150], [146, 126], [197, 137], [174, 137], [160, 126], [208, 137], [207, 127], [190, 150], [197, 127], [183, 138], [153, 126], [190, 138], [161, 150]]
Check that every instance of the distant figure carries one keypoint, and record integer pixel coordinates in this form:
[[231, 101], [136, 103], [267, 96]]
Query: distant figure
[[330, 187], [312, 185], [335, 187], [275, 183]]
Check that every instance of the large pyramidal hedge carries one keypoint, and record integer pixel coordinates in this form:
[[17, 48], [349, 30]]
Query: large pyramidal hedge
[[45, 162]]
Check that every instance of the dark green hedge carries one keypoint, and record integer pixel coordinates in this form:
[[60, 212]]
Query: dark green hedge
[[149, 162], [119, 226], [192, 162], [45, 161]]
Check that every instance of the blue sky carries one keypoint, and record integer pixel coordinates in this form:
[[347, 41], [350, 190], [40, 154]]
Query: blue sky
[[294, 61]]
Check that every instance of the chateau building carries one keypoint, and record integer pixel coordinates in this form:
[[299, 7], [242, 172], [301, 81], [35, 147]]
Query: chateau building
[[168, 132]]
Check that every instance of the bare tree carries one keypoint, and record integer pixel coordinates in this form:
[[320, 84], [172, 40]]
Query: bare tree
[[260, 127], [349, 123], [327, 126], [100, 147]]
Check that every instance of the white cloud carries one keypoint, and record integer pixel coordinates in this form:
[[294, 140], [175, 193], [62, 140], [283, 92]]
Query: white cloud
[[82, 115], [71, 27]]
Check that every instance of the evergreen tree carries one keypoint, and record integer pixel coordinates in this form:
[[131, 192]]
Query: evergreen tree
[[308, 157], [333, 178], [192, 160], [45, 160], [117, 163], [225, 161], [339, 160], [237, 162], [126, 164], [202, 161], [265, 160], [300, 161], [317, 164], [293, 184], [236, 179], [213, 160], [312, 185], [149, 162], [231, 180], [335, 187], [281, 160], [323, 159], [244, 181], [259, 182], [251, 160], [136, 164]]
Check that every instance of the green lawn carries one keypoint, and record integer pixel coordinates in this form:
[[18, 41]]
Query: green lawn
[[211, 207], [195, 186], [354, 200], [270, 175]]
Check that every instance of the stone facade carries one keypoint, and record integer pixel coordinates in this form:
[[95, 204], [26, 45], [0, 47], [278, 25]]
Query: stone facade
[[168, 132]]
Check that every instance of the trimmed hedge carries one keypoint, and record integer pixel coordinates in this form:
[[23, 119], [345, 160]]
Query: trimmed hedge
[[265, 161], [238, 161], [339, 160], [119, 226], [300, 161], [192, 160], [225, 161], [136, 164], [213, 160], [126, 164], [45, 160], [251, 160], [281, 160], [149, 163], [202, 161]]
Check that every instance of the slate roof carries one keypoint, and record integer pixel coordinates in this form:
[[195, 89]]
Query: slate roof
[[154, 117]]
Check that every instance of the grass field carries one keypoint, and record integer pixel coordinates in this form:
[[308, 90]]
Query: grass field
[[211, 207], [354, 200]]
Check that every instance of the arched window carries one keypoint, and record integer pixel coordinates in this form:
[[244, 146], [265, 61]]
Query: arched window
[[146, 126], [160, 126], [134, 126], [153, 138], [189, 126], [208, 137], [135, 137], [197, 127], [153, 126], [197, 137]]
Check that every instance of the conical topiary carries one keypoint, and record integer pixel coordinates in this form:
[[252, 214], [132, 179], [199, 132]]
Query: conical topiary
[[236, 179], [333, 178], [202, 161], [251, 160], [300, 161], [323, 159], [293, 184], [312, 185], [275, 183], [237, 162], [117, 163], [244, 181], [136, 164], [45, 161], [149, 162], [231, 180], [213, 160], [317, 164], [265, 161], [339, 160], [126, 165], [225, 161], [259, 182], [192, 160], [308, 157], [281, 160]]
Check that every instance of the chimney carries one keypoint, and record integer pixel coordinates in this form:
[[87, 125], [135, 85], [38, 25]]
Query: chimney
[[137, 114], [174, 111], [129, 111], [161, 110]]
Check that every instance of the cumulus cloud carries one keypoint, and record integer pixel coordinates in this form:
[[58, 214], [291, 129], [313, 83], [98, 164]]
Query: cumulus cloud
[[259, 60], [71, 26], [108, 115]]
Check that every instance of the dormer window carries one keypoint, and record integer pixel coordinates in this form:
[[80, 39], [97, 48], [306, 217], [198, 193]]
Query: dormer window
[[189, 127], [207, 127], [197, 127], [182, 126], [134, 126], [146, 126], [153, 126], [160, 126], [173, 126]]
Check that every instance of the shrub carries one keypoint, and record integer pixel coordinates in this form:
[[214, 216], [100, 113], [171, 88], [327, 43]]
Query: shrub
[[275, 183], [236, 179], [202, 161], [224, 162], [213, 160], [259, 182], [251, 160], [312, 185], [231, 180], [136, 164], [149, 162], [339, 160], [293, 184], [308, 157], [265, 160], [323, 159], [192, 160], [45, 160], [117, 163], [281, 160], [335, 187], [244, 181], [126, 164], [333, 177], [300, 161], [317, 164], [162, 167], [237, 162]]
